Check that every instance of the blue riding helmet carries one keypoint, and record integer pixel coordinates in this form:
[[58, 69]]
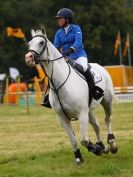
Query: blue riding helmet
[[65, 13]]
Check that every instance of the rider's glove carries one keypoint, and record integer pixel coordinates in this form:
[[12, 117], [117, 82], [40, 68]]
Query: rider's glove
[[68, 52]]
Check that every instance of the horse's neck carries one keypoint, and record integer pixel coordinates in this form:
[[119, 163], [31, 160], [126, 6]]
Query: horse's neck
[[57, 69]]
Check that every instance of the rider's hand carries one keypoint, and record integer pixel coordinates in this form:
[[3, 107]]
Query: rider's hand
[[68, 52]]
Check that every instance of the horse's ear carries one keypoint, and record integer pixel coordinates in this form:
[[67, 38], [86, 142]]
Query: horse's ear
[[43, 30], [33, 33]]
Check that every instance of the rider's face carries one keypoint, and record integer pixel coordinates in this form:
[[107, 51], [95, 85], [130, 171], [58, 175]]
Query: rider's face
[[62, 22]]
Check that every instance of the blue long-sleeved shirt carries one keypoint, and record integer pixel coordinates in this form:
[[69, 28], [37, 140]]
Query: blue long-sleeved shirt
[[73, 39]]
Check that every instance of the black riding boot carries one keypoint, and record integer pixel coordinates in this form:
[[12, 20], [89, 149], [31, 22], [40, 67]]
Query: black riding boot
[[96, 91], [46, 102]]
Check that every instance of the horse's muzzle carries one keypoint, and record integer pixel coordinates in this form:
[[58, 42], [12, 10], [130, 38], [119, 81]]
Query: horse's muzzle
[[29, 59]]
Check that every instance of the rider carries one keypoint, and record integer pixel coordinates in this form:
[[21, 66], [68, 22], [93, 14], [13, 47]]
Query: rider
[[68, 40]]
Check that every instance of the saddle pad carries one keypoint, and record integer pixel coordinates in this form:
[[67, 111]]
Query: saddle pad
[[97, 76]]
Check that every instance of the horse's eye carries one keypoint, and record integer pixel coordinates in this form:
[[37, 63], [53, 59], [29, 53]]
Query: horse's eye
[[41, 43]]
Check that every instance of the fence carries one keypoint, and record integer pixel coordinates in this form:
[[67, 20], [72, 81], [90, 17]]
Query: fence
[[27, 98], [124, 94], [122, 76], [22, 98]]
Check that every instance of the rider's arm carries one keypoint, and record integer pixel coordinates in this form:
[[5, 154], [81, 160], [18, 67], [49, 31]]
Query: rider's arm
[[57, 42], [78, 38]]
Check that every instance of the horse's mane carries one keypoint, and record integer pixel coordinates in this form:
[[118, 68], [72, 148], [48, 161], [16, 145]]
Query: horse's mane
[[39, 32]]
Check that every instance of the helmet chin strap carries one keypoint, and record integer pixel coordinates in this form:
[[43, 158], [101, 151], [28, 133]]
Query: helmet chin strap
[[66, 23]]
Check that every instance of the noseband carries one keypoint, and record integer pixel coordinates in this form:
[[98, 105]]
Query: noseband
[[38, 55]]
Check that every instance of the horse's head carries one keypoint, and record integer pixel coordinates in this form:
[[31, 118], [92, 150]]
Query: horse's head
[[37, 47]]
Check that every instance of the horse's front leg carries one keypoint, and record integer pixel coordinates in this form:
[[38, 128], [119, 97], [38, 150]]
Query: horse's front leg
[[83, 119], [95, 148], [96, 127], [111, 138], [66, 124]]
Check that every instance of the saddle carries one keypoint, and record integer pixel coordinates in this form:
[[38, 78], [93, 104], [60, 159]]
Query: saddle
[[91, 78]]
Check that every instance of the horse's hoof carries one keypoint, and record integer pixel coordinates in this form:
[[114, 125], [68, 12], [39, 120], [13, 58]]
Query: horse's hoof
[[106, 150], [98, 150], [113, 148], [98, 153], [84, 143], [79, 161]]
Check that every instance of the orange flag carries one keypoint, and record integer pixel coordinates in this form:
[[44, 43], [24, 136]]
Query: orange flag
[[16, 32], [42, 75], [127, 45], [41, 72], [9, 31], [117, 43]]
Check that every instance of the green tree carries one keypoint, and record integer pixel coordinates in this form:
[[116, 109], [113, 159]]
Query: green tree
[[99, 21]]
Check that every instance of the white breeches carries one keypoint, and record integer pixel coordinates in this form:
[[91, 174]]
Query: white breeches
[[83, 62]]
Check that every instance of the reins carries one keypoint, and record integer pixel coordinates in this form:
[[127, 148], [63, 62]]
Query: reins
[[56, 90], [52, 59]]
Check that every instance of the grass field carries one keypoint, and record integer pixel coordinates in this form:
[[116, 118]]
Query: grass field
[[36, 146]]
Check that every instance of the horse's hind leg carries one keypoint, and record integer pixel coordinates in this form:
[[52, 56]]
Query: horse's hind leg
[[66, 124], [111, 138]]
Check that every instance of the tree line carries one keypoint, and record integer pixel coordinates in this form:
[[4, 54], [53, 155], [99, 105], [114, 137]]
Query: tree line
[[99, 21]]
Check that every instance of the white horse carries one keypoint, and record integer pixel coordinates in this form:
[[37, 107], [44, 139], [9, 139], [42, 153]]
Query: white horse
[[69, 94]]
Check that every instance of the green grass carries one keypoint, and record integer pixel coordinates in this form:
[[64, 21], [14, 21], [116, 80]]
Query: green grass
[[35, 145]]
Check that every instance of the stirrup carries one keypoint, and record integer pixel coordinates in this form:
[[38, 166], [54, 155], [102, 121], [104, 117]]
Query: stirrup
[[46, 102], [47, 105]]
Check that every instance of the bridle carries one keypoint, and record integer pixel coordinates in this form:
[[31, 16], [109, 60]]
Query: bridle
[[37, 56]]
